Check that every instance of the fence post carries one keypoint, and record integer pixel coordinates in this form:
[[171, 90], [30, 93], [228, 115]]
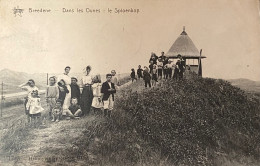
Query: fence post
[[47, 79], [2, 97]]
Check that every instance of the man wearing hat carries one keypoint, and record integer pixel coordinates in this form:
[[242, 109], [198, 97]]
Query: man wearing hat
[[181, 66]]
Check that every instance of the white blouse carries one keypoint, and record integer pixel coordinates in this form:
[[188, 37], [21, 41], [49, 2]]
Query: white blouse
[[97, 89], [87, 79], [66, 79]]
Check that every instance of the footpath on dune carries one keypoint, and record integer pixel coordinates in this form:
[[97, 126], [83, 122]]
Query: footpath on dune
[[43, 144]]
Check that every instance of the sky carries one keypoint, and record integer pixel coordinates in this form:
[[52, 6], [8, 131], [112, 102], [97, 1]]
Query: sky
[[228, 32]]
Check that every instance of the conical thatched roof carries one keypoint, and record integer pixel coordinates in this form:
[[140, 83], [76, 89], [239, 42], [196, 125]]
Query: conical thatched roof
[[184, 46]]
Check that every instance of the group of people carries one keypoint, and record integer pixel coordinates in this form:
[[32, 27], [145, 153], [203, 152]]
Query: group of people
[[66, 97], [160, 68]]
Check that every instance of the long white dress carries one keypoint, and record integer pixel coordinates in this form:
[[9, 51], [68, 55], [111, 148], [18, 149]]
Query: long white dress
[[67, 80], [96, 95]]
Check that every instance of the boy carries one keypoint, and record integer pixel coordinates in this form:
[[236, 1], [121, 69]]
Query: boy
[[52, 94], [108, 90], [57, 111], [75, 90], [74, 109]]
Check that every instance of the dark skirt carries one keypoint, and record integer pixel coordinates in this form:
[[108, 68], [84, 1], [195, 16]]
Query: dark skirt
[[86, 99], [154, 77], [25, 109]]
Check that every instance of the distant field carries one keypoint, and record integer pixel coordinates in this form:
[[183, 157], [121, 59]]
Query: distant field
[[246, 84]]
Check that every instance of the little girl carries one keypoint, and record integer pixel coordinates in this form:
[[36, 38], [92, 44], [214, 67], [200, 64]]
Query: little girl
[[96, 87], [154, 75], [34, 107]]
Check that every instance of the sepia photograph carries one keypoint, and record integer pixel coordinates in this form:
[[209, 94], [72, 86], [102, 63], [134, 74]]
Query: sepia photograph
[[130, 83]]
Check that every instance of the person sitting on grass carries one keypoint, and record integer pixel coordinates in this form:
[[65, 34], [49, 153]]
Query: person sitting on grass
[[57, 111], [108, 90], [34, 107], [74, 110]]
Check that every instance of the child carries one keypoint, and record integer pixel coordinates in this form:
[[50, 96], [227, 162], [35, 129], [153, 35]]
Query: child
[[34, 107], [154, 75], [96, 87], [133, 75], [147, 77], [165, 71], [160, 68], [29, 87], [169, 70], [52, 94], [140, 72], [57, 111], [75, 90], [114, 78], [63, 90], [108, 90], [176, 72]]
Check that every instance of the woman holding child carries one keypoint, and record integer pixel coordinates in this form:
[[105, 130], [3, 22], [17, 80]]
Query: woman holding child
[[66, 79], [87, 93]]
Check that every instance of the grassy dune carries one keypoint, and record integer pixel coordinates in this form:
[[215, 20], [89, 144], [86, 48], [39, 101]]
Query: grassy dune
[[194, 122], [198, 121]]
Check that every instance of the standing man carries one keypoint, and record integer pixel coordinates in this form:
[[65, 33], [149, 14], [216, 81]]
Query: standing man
[[181, 66], [108, 90], [160, 68], [140, 72], [163, 57], [75, 89]]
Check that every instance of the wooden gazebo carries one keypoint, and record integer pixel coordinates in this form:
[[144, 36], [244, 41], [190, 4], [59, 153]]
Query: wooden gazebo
[[184, 46]]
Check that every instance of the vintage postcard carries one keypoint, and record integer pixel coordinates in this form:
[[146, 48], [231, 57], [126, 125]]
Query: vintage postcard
[[123, 82]]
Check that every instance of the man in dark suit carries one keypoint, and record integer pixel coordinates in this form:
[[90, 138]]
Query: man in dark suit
[[108, 90], [75, 90]]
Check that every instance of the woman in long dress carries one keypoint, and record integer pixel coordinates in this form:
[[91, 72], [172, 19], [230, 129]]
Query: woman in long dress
[[67, 80], [87, 92]]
